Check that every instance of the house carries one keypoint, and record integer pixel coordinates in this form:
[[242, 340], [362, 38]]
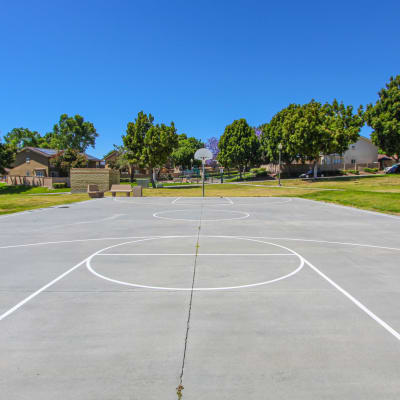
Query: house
[[361, 152], [35, 162], [110, 160]]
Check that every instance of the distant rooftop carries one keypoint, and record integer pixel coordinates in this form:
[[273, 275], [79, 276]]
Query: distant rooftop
[[52, 152]]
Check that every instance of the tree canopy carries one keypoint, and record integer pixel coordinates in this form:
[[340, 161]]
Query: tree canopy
[[72, 133], [18, 138], [159, 143], [239, 145], [212, 145], [183, 155], [309, 130], [6, 157], [149, 145], [384, 118], [67, 159]]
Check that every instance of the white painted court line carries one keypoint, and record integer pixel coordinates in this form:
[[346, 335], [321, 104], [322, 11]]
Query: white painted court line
[[195, 254], [203, 200], [244, 215], [325, 242], [356, 302], [98, 220], [72, 241], [100, 252], [51, 283], [34, 294], [349, 208]]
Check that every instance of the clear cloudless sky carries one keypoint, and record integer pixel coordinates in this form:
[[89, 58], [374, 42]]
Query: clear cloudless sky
[[200, 64]]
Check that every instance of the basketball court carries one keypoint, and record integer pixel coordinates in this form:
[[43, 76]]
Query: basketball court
[[229, 298]]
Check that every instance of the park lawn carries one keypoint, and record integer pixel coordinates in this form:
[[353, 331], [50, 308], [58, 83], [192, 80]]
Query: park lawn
[[381, 193], [11, 203], [375, 201], [222, 190], [386, 183]]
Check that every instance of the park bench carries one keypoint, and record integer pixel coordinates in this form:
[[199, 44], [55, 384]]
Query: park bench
[[94, 192], [137, 190]]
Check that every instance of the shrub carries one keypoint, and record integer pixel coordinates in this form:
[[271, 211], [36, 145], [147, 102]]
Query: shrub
[[371, 170], [59, 185], [353, 171], [259, 171]]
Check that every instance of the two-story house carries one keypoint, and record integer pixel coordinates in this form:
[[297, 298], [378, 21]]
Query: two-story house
[[34, 161]]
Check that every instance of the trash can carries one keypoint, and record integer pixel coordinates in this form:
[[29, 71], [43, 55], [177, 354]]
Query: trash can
[[144, 183]]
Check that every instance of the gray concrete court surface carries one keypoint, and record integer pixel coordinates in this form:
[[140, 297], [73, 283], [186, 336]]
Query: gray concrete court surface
[[242, 298]]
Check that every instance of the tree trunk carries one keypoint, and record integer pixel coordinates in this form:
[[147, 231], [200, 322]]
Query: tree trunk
[[240, 172], [315, 169], [153, 177], [132, 173]]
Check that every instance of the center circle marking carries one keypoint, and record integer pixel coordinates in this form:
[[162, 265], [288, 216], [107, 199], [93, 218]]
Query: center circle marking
[[295, 271]]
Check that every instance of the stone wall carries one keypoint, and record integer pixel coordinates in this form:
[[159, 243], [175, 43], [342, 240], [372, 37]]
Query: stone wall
[[82, 177], [46, 181]]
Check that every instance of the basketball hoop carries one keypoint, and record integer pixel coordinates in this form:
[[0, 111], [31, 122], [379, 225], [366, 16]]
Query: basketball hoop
[[203, 155]]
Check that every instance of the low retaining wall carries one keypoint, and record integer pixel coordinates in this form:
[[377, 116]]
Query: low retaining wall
[[46, 181], [103, 177]]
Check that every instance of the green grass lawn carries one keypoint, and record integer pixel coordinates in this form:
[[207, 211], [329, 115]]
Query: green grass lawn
[[376, 193], [19, 198]]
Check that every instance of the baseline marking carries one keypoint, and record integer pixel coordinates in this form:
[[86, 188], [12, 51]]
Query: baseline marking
[[194, 254], [355, 301]]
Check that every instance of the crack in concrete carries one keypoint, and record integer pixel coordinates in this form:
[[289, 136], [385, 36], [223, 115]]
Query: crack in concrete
[[180, 386]]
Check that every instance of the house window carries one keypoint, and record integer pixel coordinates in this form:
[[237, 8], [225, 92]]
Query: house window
[[28, 160], [353, 146], [353, 161], [39, 173], [27, 173]]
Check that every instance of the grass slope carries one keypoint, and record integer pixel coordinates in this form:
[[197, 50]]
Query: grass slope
[[380, 193]]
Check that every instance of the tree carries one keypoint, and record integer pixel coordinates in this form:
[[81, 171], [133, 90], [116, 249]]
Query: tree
[[72, 133], [159, 143], [134, 141], [239, 146], [6, 157], [67, 159], [212, 145], [19, 138], [384, 118], [183, 155], [309, 130]]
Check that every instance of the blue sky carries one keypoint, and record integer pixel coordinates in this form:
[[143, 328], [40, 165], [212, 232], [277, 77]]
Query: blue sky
[[200, 64]]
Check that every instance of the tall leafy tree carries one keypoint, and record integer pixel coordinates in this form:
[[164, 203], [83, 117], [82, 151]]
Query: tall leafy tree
[[19, 138], [67, 159], [133, 140], [72, 133], [159, 143], [384, 118], [307, 131], [6, 157], [183, 155], [239, 146]]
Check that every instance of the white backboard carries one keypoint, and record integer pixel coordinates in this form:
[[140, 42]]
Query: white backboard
[[203, 154]]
